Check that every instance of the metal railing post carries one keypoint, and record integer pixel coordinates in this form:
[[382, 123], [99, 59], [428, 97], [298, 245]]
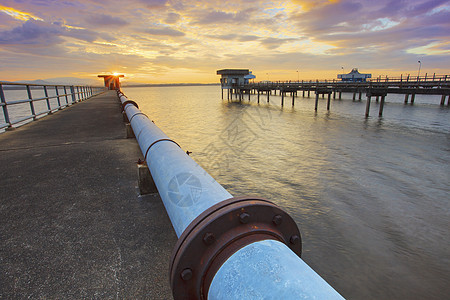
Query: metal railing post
[[5, 106], [72, 92], [47, 99], [65, 95], [33, 113], [57, 97], [234, 248]]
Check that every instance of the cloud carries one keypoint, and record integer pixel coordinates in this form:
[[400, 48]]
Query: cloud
[[235, 37], [172, 18], [375, 26], [156, 37], [153, 3], [165, 31], [205, 17], [34, 32], [273, 43], [103, 20]]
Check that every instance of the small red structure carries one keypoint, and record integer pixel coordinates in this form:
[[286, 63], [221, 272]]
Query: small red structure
[[112, 81]]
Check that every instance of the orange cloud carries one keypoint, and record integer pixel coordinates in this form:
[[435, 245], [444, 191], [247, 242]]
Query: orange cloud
[[17, 14], [309, 4]]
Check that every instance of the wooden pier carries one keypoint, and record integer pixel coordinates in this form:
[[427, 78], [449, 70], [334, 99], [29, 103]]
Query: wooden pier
[[410, 87]]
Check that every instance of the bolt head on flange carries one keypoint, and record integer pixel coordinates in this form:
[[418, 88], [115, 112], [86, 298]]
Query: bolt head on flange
[[186, 274], [295, 239], [244, 218], [277, 219], [209, 238]]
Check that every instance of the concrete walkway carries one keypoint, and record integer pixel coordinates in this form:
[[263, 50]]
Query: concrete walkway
[[72, 224]]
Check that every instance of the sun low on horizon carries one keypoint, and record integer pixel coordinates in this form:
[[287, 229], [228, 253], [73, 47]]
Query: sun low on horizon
[[164, 41]]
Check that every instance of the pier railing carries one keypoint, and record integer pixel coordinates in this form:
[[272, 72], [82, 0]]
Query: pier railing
[[21, 103], [433, 79], [228, 247]]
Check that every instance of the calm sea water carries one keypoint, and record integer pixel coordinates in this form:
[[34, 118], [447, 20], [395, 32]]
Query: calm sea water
[[371, 196]]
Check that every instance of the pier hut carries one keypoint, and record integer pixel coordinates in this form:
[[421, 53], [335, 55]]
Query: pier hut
[[234, 80], [112, 81], [354, 75]]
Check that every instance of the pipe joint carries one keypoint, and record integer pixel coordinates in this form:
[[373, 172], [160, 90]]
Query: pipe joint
[[129, 102], [220, 231]]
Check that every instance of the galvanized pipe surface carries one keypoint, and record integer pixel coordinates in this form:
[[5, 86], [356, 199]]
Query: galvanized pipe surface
[[185, 188], [264, 269], [268, 270]]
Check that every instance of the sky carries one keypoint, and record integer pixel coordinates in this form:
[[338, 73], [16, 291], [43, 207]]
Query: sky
[[169, 41]]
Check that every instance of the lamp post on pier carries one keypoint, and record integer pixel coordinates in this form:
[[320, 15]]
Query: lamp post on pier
[[418, 73]]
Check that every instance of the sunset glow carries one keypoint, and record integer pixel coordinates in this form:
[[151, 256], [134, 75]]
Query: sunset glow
[[168, 41]]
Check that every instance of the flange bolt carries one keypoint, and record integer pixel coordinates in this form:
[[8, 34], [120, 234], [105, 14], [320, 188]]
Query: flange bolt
[[277, 220], [186, 274], [209, 238], [244, 218], [295, 239]]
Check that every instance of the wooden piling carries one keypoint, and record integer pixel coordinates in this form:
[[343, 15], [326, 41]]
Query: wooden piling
[[340, 95], [368, 106], [354, 95], [293, 97], [268, 96], [317, 102], [282, 98], [413, 96], [258, 96], [380, 113], [360, 95], [406, 98], [329, 100]]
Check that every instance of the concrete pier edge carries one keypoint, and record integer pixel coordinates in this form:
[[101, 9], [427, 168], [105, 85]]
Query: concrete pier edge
[[72, 223]]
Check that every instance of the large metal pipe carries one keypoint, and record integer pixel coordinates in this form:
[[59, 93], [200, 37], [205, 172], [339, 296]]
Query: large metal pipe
[[228, 248]]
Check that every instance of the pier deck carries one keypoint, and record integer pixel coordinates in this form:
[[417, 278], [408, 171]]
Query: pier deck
[[72, 224]]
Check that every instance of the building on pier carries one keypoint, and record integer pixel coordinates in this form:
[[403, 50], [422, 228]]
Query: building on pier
[[112, 81], [354, 75], [233, 78]]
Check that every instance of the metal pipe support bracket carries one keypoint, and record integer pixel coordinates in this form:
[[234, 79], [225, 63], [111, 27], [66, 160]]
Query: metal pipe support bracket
[[220, 231]]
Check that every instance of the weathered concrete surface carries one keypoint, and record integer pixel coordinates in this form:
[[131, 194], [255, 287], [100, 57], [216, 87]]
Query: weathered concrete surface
[[72, 225]]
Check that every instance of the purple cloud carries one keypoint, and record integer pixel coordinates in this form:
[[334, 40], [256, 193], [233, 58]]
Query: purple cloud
[[167, 31], [103, 20], [273, 43], [235, 37], [172, 18], [215, 17], [35, 32]]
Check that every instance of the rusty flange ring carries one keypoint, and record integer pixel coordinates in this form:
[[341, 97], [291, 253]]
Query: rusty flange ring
[[129, 102], [218, 233]]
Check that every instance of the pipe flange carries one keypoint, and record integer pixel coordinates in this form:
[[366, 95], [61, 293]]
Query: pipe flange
[[129, 102], [218, 233]]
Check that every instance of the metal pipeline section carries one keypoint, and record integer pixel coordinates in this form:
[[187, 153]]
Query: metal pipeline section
[[228, 247]]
